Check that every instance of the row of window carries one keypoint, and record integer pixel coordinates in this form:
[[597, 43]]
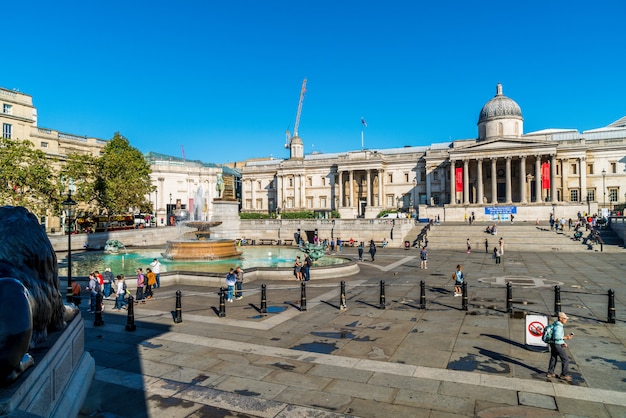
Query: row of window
[[612, 195], [574, 169]]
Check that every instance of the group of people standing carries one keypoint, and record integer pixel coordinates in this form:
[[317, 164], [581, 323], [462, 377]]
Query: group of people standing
[[302, 268], [234, 283]]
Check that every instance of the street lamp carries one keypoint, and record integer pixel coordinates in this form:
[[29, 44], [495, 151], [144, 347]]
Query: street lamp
[[604, 186], [70, 208]]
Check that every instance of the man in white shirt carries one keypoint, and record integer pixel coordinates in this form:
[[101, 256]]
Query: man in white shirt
[[156, 269]]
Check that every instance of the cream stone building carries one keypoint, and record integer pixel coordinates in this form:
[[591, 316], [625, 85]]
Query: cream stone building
[[501, 172]]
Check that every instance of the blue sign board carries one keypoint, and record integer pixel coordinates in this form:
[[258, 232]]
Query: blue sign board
[[500, 213]]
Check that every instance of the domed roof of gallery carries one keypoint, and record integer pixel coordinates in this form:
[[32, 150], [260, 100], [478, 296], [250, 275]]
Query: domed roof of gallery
[[499, 107]]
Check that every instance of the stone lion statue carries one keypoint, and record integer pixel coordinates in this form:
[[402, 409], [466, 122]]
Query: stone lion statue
[[31, 303]]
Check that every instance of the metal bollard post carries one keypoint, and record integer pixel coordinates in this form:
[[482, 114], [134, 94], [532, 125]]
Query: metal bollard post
[[464, 290], [557, 300], [302, 297], [130, 319], [222, 312], [382, 295], [509, 297], [422, 295], [342, 297], [97, 322], [611, 316], [178, 317], [263, 298]]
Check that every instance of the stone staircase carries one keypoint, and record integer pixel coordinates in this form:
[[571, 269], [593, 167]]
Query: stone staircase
[[521, 236]]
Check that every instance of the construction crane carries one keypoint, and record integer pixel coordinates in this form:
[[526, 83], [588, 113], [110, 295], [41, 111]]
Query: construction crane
[[295, 126]]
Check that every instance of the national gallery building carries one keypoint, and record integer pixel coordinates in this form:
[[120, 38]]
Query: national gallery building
[[501, 172]]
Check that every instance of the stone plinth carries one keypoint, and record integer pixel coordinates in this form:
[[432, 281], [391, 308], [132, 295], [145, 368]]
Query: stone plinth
[[226, 212]]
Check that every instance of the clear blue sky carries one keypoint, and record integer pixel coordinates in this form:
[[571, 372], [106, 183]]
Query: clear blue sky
[[222, 78]]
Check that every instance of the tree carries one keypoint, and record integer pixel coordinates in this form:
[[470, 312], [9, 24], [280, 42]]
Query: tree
[[81, 171], [26, 178], [123, 177]]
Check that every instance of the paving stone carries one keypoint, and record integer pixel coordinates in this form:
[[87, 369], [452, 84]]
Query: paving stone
[[314, 398], [250, 387], [362, 390]]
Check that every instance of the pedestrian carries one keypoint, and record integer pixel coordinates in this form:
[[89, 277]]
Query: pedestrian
[[372, 249], [497, 255], [297, 268], [360, 249], [424, 258], [94, 287], [458, 278], [469, 246], [239, 283], [156, 268], [486, 246], [107, 279], [141, 282], [501, 242], [231, 279], [557, 348], [306, 268], [151, 282], [332, 245], [76, 299], [120, 293]]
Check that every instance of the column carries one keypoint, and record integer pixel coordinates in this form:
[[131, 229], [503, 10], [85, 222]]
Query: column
[[538, 198], [452, 183], [508, 179], [381, 194], [369, 189], [522, 180], [564, 176], [479, 180], [340, 175], [466, 182], [553, 178], [583, 179], [253, 194], [351, 197], [494, 182], [280, 195], [428, 185]]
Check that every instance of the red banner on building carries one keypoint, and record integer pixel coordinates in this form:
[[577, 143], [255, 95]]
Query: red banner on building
[[459, 179], [545, 176]]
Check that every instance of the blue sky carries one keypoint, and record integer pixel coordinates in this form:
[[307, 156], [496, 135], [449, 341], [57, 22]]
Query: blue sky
[[222, 79]]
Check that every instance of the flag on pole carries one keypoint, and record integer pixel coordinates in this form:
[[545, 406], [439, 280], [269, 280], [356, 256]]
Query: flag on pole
[[363, 122]]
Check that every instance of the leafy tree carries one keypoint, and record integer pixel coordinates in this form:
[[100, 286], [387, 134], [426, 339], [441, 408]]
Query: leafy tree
[[82, 171], [123, 177], [26, 178]]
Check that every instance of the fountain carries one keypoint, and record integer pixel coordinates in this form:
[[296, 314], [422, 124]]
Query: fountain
[[198, 245]]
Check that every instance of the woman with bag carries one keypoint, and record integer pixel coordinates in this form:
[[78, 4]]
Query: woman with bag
[[141, 280], [152, 281]]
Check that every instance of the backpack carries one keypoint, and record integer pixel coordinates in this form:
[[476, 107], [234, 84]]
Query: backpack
[[308, 261], [98, 287], [548, 334]]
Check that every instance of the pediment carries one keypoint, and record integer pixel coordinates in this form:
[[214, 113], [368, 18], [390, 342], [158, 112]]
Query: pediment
[[506, 146]]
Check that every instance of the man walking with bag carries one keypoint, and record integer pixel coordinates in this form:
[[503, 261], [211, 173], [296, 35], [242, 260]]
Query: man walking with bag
[[557, 348]]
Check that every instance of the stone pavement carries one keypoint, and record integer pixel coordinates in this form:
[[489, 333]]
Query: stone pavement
[[365, 361]]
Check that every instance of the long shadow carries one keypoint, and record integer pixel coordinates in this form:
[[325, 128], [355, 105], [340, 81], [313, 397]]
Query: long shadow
[[434, 302], [377, 306], [331, 304], [292, 304], [515, 343], [501, 357]]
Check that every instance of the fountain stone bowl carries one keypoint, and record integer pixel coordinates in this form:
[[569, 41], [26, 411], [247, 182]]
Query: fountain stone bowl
[[198, 245]]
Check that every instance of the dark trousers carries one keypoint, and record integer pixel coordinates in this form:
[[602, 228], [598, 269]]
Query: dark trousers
[[92, 300], [306, 272], [558, 351], [239, 291], [139, 294]]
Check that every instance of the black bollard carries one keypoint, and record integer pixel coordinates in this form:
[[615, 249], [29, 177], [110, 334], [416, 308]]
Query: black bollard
[[382, 295], [178, 317], [557, 300], [422, 295], [464, 301], [611, 316], [509, 297], [97, 322], [130, 319], [302, 297], [263, 298], [222, 312], [342, 297]]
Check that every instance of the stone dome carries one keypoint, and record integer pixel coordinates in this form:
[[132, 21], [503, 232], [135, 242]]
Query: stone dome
[[499, 107]]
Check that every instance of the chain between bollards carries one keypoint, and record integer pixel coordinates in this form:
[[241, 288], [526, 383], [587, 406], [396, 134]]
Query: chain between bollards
[[130, 319], [611, 314], [509, 297], [422, 295], [97, 322], [464, 296], [302, 297], [178, 316], [557, 300], [263, 299], [222, 312], [342, 297], [382, 304]]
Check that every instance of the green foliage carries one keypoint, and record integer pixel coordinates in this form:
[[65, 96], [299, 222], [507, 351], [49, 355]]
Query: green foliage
[[335, 214], [254, 215], [26, 178], [297, 215]]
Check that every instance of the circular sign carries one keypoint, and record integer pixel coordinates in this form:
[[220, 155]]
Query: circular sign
[[536, 329]]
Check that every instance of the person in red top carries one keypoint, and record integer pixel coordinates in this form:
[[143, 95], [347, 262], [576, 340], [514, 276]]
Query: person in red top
[[100, 278]]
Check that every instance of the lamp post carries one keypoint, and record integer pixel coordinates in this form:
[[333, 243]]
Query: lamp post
[[604, 187], [70, 208]]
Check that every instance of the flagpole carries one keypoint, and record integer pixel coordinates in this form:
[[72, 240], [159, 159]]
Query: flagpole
[[362, 143]]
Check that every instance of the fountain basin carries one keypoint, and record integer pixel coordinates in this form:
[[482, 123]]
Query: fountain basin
[[213, 249]]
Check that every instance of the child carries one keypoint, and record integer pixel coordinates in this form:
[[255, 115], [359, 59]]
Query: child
[[231, 279], [458, 278]]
